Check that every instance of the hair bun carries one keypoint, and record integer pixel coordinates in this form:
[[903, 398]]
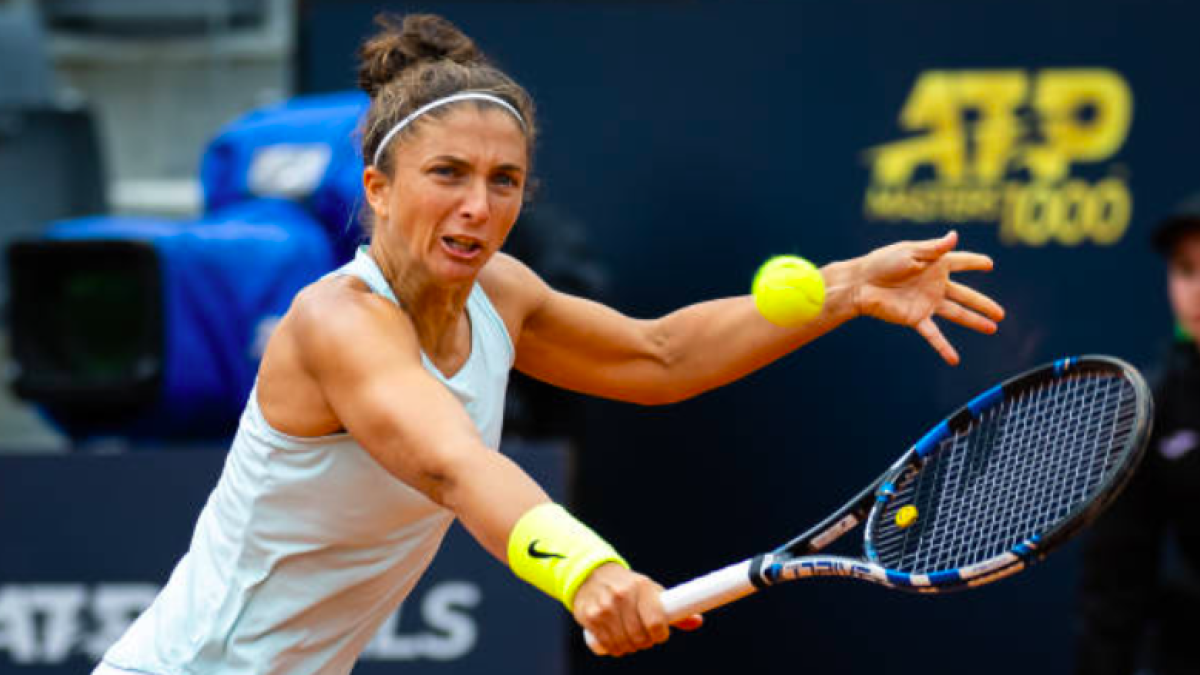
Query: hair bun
[[403, 43]]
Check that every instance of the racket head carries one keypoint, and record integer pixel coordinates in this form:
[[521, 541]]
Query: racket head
[[1010, 476]]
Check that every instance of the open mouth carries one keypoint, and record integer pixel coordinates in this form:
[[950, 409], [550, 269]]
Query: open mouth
[[461, 247]]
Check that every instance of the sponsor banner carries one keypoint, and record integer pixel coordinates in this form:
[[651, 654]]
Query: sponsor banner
[[1032, 152], [89, 541]]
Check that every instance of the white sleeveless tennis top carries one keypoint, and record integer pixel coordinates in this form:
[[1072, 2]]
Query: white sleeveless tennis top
[[306, 545]]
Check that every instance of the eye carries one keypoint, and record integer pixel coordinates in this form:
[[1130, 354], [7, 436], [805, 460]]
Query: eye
[[506, 180], [446, 171]]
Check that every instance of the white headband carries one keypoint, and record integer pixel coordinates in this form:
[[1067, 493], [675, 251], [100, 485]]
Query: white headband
[[453, 98]]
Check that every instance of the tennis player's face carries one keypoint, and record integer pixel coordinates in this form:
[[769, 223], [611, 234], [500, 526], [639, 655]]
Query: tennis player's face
[[456, 191], [1184, 282]]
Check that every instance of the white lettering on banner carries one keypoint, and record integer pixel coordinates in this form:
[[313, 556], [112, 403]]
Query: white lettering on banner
[[17, 635], [114, 608], [60, 606], [452, 635], [51, 623]]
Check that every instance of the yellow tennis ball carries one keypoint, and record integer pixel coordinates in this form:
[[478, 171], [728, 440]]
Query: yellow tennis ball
[[907, 515], [788, 290]]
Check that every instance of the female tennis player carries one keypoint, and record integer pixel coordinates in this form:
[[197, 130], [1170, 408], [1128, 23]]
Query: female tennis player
[[376, 415]]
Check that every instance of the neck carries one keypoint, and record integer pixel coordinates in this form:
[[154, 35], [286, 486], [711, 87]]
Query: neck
[[435, 309]]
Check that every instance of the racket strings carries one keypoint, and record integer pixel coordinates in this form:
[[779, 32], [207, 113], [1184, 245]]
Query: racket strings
[[1020, 469]]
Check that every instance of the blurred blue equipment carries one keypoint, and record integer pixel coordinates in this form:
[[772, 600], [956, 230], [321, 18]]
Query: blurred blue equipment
[[154, 328], [151, 327], [304, 150]]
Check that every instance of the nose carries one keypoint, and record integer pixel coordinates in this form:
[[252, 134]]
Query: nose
[[476, 206]]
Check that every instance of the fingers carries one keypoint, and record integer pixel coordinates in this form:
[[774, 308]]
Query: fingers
[[933, 335], [975, 301], [958, 261], [691, 623], [964, 317], [629, 608], [932, 249], [966, 307], [604, 644], [609, 628], [652, 616], [620, 614], [624, 613], [965, 261], [923, 285]]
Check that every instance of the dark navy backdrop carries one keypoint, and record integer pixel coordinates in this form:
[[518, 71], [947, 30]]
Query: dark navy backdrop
[[695, 139], [89, 540]]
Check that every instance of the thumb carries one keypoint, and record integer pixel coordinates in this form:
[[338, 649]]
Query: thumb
[[690, 623], [932, 249]]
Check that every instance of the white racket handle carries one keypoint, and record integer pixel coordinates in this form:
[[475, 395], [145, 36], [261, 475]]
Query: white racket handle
[[701, 594]]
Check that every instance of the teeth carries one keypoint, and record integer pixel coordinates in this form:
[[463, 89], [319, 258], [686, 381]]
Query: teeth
[[461, 245]]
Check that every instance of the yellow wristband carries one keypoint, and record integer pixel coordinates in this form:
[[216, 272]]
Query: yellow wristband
[[556, 553]]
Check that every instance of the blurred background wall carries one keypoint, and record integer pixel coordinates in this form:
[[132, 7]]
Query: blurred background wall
[[688, 140]]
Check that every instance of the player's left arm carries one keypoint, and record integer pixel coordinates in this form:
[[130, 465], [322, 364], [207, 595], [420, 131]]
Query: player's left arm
[[587, 347]]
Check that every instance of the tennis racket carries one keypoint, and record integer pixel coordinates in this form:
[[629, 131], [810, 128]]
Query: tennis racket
[[987, 492]]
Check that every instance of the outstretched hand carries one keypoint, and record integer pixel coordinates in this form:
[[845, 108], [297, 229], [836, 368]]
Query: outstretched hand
[[908, 282]]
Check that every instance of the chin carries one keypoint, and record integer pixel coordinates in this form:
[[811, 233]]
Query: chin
[[458, 272]]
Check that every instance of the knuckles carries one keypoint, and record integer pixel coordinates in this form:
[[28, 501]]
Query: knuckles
[[602, 610]]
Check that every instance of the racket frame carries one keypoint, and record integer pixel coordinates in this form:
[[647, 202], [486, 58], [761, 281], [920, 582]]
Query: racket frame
[[799, 558]]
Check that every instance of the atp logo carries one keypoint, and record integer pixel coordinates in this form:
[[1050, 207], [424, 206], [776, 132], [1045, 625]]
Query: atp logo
[[1029, 151]]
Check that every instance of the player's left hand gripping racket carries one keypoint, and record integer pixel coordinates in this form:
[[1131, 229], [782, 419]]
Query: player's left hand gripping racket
[[990, 490]]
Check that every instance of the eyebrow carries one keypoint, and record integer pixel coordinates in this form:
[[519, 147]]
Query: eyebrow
[[459, 162]]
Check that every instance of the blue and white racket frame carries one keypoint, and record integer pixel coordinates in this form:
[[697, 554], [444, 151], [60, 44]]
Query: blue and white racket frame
[[799, 558]]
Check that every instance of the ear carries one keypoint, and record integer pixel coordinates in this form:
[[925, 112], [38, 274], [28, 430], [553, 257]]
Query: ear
[[377, 186]]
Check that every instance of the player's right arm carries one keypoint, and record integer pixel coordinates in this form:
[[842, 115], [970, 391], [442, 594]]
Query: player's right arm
[[363, 354]]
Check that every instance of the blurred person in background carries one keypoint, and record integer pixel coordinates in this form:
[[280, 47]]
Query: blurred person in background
[[1140, 589], [375, 420]]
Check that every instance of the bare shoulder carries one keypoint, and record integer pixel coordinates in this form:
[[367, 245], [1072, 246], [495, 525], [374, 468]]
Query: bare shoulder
[[505, 274], [514, 289], [328, 335], [339, 316]]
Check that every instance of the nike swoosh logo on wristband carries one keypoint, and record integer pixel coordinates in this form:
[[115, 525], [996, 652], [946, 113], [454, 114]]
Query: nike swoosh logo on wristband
[[534, 553]]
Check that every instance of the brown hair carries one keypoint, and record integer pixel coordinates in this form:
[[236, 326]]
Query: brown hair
[[418, 59]]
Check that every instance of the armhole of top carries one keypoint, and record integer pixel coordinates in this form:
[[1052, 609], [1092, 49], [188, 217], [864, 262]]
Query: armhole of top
[[263, 427], [488, 312]]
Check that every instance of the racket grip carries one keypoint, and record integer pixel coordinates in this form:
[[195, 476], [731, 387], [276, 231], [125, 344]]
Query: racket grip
[[701, 594]]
